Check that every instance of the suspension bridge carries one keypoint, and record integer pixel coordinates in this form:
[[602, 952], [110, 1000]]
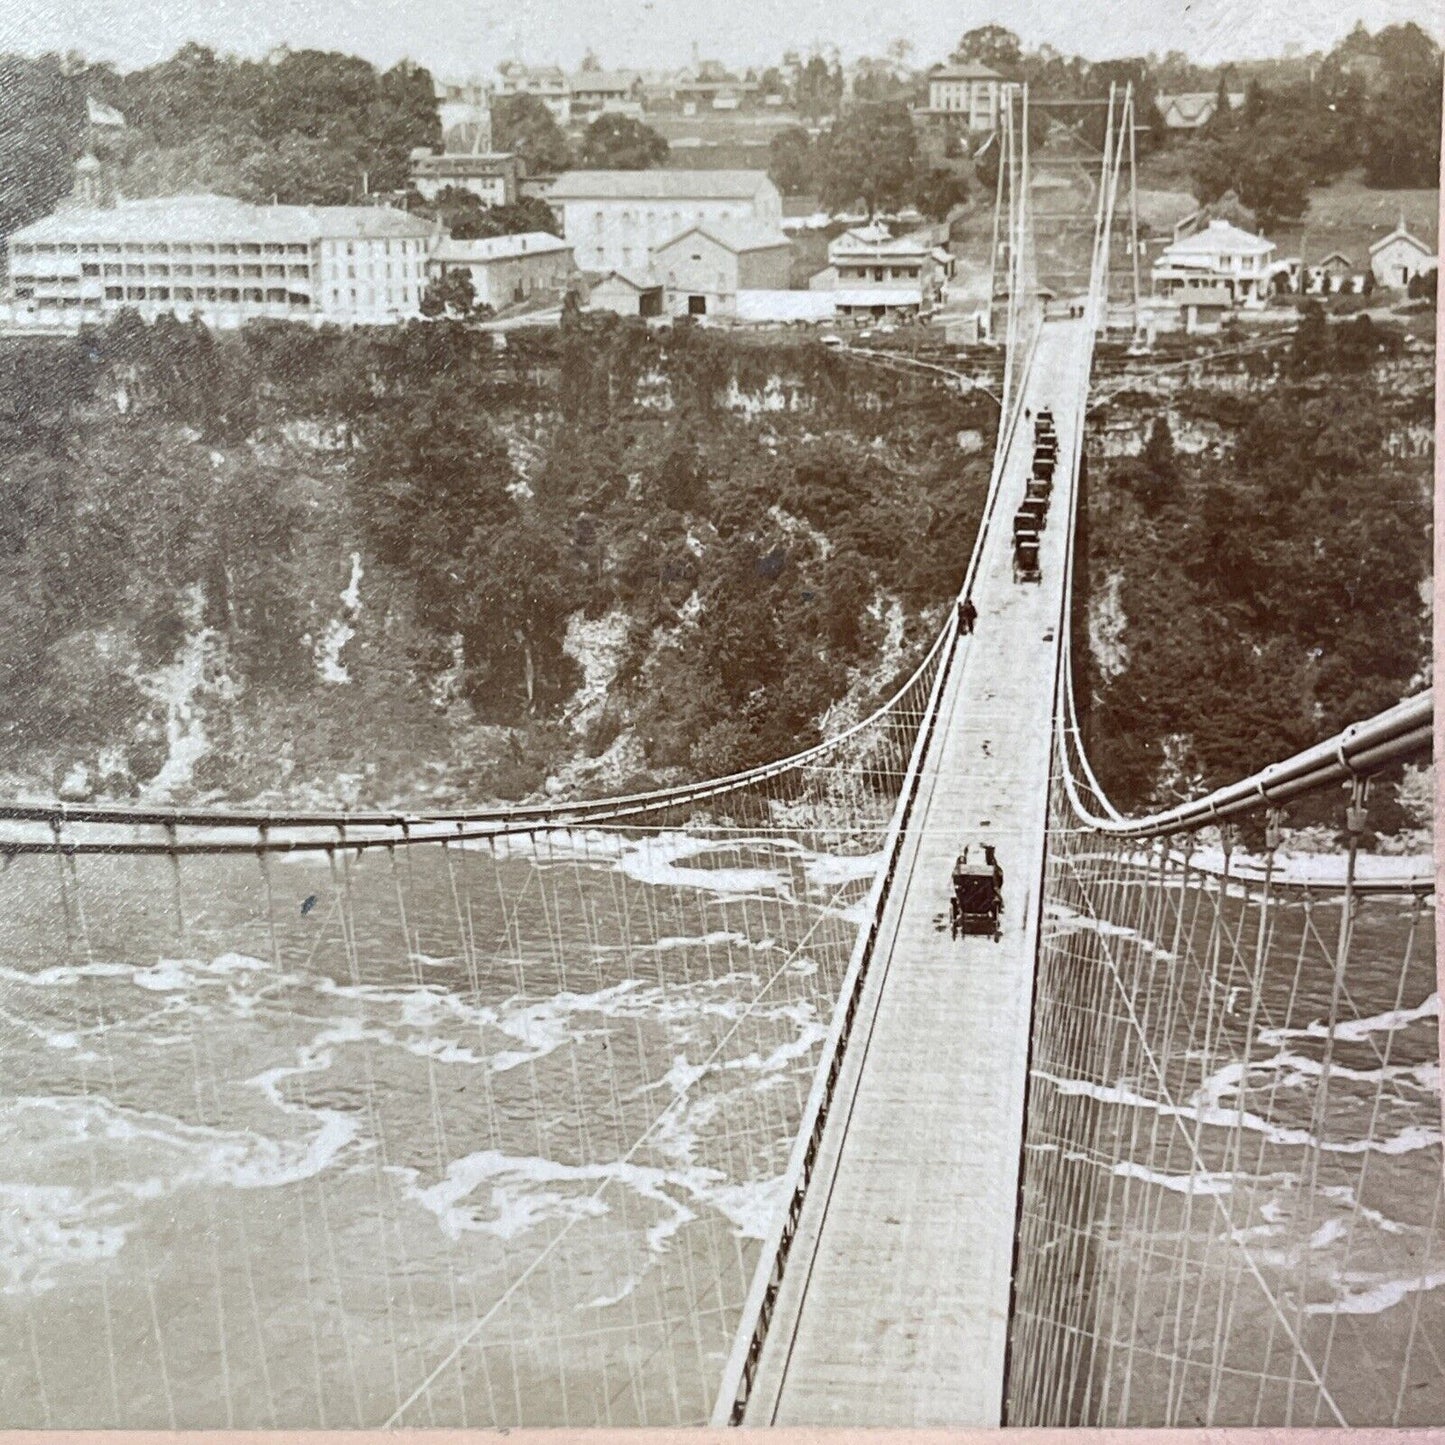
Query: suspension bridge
[[686, 1106]]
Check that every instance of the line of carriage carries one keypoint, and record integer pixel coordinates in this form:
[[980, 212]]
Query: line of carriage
[[1030, 518]]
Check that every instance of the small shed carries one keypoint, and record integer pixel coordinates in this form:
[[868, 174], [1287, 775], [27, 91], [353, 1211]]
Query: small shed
[[637, 294]]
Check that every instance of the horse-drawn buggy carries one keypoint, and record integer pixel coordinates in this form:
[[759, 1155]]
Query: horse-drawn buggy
[[977, 896], [1026, 557]]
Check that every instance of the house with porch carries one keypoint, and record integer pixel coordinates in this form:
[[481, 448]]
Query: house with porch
[[874, 272], [1221, 254]]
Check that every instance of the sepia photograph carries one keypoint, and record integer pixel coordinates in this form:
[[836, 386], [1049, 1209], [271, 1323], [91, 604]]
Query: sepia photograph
[[719, 715]]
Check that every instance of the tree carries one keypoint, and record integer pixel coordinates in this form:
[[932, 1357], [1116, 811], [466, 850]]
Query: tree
[[1264, 173], [620, 143], [468, 218], [790, 161], [1309, 348], [1220, 122], [819, 89], [937, 191], [990, 45], [516, 597], [522, 125], [402, 118], [1423, 287], [300, 170], [870, 155], [40, 127], [1399, 119], [451, 294], [1272, 182]]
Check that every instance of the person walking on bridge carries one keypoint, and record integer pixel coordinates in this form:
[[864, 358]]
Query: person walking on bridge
[[967, 615]]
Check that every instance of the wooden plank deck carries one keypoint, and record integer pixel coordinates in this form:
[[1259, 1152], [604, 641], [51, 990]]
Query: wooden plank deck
[[894, 1307]]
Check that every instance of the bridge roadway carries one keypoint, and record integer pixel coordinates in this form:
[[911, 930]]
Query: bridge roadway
[[893, 1309]]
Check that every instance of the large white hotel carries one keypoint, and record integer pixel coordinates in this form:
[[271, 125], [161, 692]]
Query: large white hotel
[[220, 260]]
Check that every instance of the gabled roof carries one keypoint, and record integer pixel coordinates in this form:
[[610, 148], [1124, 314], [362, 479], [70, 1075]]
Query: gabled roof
[[1335, 256], [875, 241], [1401, 234], [636, 280], [1196, 106], [1222, 236], [659, 185], [968, 70], [735, 236]]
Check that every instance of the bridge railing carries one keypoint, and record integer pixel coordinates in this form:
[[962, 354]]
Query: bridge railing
[[1232, 1208], [740, 1372]]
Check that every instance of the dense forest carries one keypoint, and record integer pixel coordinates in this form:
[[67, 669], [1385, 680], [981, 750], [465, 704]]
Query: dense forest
[[254, 562], [413, 563], [1269, 584]]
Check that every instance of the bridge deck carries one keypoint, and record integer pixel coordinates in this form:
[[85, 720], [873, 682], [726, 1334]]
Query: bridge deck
[[893, 1310]]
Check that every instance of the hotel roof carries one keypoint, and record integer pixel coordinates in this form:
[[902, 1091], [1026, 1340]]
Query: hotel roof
[[659, 185], [210, 217]]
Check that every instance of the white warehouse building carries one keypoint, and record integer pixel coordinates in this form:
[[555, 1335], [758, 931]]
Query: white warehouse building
[[614, 219]]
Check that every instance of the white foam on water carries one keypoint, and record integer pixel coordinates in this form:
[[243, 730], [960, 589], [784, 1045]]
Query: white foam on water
[[1062, 919], [1357, 1030], [1328, 1233], [833, 869], [46, 1225], [65, 1039], [1343, 1194], [1363, 1294], [64, 974], [1409, 1139], [47, 1228], [1206, 1184]]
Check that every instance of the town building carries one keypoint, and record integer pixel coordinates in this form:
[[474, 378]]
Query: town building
[[1193, 110], [705, 267], [464, 109], [1398, 258], [546, 82], [708, 85], [971, 94], [605, 92], [1202, 308], [492, 176], [874, 273], [1220, 254], [507, 270], [637, 293], [220, 260], [536, 188], [614, 218]]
